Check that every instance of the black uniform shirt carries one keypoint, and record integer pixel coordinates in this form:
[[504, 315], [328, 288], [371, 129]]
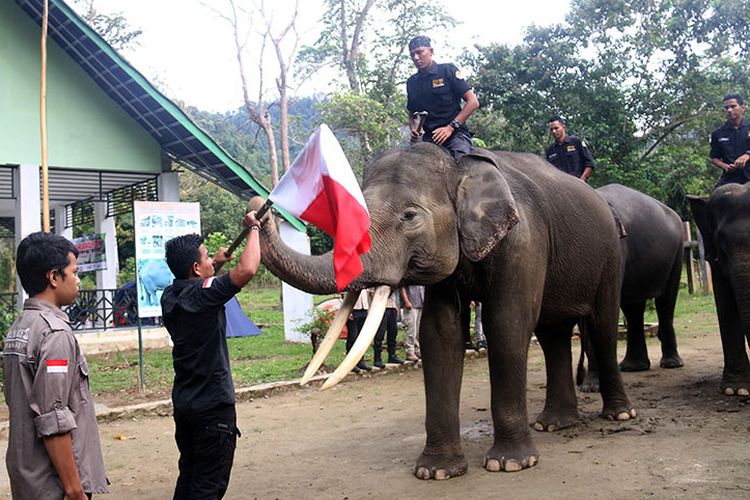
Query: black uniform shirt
[[193, 313], [437, 91], [572, 156], [728, 144]]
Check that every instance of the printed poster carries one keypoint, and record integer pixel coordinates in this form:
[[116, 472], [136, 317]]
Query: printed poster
[[92, 254], [157, 222]]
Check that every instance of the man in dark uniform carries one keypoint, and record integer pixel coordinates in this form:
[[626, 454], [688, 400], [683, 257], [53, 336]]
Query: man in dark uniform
[[203, 391], [438, 89], [569, 153], [730, 143]]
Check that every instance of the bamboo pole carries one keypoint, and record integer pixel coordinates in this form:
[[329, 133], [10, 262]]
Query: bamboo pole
[[43, 121]]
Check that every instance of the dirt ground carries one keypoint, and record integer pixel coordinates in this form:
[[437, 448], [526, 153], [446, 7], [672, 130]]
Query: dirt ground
[[360, 440]]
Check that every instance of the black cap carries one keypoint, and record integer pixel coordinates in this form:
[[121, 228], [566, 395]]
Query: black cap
[[419, 41]]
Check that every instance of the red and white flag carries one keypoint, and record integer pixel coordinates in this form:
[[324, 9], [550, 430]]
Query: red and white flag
[[57, 366], [320, 188]]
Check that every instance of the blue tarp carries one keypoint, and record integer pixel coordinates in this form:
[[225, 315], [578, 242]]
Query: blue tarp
[[238, 324]]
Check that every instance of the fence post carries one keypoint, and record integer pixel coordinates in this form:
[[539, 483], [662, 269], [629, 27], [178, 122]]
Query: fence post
[[705, 269]]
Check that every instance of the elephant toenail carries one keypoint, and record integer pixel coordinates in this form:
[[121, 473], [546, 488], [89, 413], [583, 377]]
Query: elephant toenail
[[423, 473], [532, 461], [440, 474], [623, 416], [551, 428], [492, 465], [539, 426], [743, 392], [728, 391], [610, 417], [512, 466], [633, 413]]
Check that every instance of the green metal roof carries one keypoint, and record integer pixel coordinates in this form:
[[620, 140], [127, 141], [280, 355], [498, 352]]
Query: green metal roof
[[181, 139]]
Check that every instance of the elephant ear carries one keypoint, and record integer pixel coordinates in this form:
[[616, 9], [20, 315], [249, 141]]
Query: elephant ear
[[485, 207], [699, 207]]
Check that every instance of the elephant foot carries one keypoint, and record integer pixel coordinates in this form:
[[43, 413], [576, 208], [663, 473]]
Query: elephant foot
[[508, 458], [552, 421], [735, 385], [590, 383], [673, 361], [440, 467], [634, 364], [619, 413]]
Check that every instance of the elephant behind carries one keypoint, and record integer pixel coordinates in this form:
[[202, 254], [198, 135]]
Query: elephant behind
[[652, 255], [537, 247], [724, 222]]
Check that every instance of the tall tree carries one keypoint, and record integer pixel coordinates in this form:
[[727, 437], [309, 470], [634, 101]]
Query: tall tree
[[113, 27]]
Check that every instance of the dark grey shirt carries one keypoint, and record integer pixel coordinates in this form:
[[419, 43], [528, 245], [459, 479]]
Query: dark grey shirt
[[46, 386], [416, 295]]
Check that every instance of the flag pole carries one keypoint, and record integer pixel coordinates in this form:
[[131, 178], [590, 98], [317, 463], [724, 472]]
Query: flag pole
[[239, 239], [43, 121]]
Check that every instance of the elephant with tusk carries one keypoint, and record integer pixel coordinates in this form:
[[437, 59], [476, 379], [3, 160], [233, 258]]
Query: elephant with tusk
[[537, 247]]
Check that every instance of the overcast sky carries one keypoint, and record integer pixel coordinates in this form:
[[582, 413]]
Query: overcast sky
[[188, 51]]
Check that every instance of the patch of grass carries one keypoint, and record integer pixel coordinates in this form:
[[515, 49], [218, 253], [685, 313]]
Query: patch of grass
[[257, 359]]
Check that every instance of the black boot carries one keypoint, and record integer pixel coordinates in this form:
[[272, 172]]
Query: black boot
[[378, 361], [392, 358], [362, 365]]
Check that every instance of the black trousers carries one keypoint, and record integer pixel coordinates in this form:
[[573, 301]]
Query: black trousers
[[206, 441], [389, 325]]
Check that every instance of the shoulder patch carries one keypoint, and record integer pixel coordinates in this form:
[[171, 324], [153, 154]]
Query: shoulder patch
[[57, 366], [583, 143], [208, 282], [458, 75]]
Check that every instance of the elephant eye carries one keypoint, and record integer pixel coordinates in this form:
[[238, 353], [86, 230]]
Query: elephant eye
[[409, 215]]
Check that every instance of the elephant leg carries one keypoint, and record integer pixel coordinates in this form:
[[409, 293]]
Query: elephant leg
[[590, 381], [507, 352], [441, 343], [636, 354], [736, 376], [561, 404], [665, 304], [601, 328]]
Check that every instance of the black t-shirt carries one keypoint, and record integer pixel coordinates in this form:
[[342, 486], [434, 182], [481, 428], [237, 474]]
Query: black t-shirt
[[437, 91], [193, 313], [572, 156], [728, 144]]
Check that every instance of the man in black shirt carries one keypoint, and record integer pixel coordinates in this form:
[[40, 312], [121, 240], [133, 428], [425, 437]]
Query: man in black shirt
[[438, 89], [569, 153], [730, 143], [203, 392]]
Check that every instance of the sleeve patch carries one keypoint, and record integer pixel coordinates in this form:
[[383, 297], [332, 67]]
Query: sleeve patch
[[208, 282], [57, 366]]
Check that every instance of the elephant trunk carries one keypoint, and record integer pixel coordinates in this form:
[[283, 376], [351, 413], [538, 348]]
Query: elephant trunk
[[740, 278], [313, 274]]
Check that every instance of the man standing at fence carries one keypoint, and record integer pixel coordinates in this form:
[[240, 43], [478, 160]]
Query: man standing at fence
[[53, 442], [203, 391]]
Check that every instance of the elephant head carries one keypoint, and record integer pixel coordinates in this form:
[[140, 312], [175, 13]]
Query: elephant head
[[426, 213], [724, 222]]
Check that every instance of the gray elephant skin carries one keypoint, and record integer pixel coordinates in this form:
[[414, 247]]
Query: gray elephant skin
[[537, 247], [652, 254], [724, 222]]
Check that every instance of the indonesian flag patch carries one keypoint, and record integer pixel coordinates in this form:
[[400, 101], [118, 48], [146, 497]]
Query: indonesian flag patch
[[57, 366], [208, 282]]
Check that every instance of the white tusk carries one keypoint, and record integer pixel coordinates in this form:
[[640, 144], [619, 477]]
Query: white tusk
[[342, 315], [369, 329]]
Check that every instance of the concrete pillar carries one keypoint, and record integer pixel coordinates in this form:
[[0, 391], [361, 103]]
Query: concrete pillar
[[28, 217], [60, 228], [168, 186], [106, 278], [298, 305]]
